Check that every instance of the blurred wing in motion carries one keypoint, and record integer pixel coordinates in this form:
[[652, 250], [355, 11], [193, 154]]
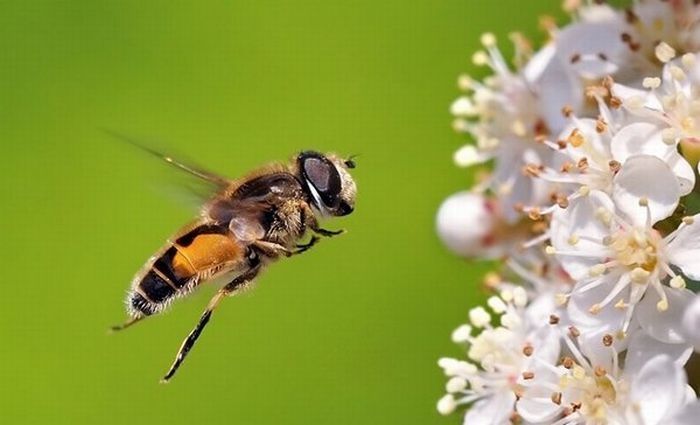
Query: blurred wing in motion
[[196, 192]]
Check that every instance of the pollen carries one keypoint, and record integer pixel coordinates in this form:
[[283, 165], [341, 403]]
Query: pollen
[[662, 305], [688, 60], [596, 270], [639, 275], [651, 82], [480, 58], [677, 282], [488, 39], [677, 73], [668, 135], [576, 138], [664, 52]]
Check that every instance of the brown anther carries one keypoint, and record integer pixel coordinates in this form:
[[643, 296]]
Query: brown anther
[[600, 126], [576, 138], [556, 398], [539, 227], [602, 56], [518, 393], [582, 164], [607, 340], [534, 214], [567, 362], [574, 332], [528, 375], [630, 16], [566, 166], [532, 170], [567, 111], [576, 406], [607, 82], [615, 102], [625, 37], [492, 280], [562, 201], [547, 23], [540, 128], [575, 58], [597, 91], [515, 419], [600, 371], [528, 350], [553, 319], [561, 144], [614, 166]]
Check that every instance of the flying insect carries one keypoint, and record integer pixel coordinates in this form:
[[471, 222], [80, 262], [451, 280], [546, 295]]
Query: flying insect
[[246, 225]]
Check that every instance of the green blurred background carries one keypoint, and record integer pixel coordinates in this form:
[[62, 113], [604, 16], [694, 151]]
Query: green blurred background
[[346, 334]]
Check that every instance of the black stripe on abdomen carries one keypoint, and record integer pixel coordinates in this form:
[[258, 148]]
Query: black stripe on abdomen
[[155, 287]]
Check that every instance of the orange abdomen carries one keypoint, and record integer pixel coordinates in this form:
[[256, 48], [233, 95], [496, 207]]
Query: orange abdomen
[[205, 252], [198, 254]]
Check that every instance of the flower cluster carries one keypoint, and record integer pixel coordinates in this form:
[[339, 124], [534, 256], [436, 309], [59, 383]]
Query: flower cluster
[[588, 150]]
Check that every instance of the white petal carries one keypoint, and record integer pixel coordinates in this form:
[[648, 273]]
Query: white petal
[[557, 87], [644, 138], [609, 319], [594, 144], [590, 41], [684, 250], [536, 406], [658, 389], [643, 348], [539, 63], [666, 326], [493, 410], [691, 322], [579, 219], [646, 177], [648, 101], [688, 415]]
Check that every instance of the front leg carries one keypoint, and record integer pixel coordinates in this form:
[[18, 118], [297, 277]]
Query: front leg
[[271, 249], [303, 247], [312, 223]]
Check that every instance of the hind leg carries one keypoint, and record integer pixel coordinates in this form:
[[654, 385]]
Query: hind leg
[[191, 339], [131, 321]]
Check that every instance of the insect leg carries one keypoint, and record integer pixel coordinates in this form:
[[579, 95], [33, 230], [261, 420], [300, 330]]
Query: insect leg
[[126, 324], [271, 249], [306, 246], [328, 233], [189, 342], [312, 223]]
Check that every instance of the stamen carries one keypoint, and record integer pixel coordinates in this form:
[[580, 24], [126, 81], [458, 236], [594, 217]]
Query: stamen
[[664, 52]]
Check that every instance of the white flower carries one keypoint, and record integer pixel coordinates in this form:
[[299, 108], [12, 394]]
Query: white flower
[[499, 359], [671, 102], [597, 150], [622, 265], [591, 387], [503, 117], [473, 225]]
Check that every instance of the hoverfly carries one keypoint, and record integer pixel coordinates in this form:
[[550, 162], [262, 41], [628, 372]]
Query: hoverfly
[[247, 224]]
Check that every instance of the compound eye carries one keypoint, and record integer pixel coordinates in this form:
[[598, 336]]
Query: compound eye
[[324, 177]]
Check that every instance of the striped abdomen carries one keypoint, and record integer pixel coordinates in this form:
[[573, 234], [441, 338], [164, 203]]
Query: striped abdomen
[[198, 254]]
